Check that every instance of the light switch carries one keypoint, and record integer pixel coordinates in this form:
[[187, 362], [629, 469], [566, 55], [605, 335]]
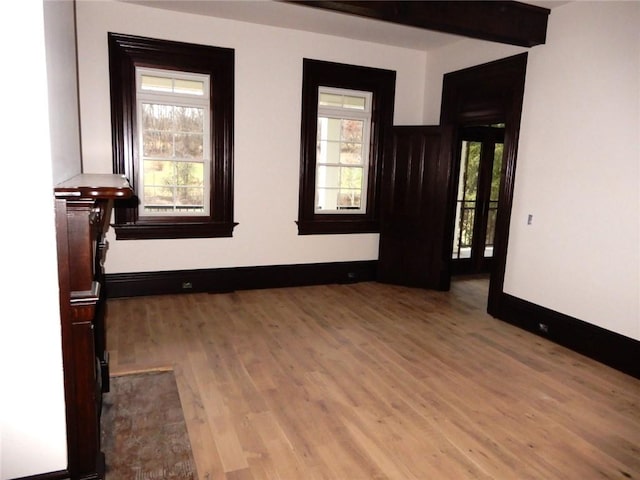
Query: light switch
[[529, 219]]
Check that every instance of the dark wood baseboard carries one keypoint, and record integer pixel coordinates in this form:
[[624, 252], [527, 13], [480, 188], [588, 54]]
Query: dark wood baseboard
[[240, 278], [607, 347], [59, 475]]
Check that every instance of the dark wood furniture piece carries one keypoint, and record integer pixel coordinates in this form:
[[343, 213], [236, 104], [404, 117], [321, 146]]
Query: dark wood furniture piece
[[83, 209]]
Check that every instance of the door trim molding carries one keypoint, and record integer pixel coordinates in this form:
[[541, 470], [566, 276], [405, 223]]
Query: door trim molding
[[489, 93]]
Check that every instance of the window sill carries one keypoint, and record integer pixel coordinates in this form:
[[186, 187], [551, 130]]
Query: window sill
[[173, 230]]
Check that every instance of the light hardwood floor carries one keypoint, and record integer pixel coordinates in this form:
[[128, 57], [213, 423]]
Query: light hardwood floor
[[371, 381]]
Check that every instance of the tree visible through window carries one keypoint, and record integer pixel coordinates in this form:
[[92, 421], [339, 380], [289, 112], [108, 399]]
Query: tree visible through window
[[481, 151], [172, 118], [174, 142]]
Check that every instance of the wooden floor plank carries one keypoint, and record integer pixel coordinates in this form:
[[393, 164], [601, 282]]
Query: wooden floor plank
[[373, 381]]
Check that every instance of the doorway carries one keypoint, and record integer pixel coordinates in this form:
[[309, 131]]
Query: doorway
[[420, 176], [486, 94], [480, 151]]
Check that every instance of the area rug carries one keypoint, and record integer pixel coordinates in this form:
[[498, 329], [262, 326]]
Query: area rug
[[144, 435]]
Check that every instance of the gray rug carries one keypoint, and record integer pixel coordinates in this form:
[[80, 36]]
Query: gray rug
[[144, 435]]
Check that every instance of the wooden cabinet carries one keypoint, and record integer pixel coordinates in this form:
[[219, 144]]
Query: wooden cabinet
[[83, 209]]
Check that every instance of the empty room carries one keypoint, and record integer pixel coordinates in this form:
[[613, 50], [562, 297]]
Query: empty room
[[321, 240]]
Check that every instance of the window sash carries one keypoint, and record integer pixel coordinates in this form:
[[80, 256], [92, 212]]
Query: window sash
[[172, 187], [345, 191]]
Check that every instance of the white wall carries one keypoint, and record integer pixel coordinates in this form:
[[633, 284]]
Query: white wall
[[578, 173], [60, 41], [578, 170], [32, 415], [267, 132], [577, 166]]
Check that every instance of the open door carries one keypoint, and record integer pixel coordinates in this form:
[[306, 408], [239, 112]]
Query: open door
[[487, 94], [420, 179], [409, 207]]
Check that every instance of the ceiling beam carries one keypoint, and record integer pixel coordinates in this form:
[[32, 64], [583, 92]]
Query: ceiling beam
[[510, 22]]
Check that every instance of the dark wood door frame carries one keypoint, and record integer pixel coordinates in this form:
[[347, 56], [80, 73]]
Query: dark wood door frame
[[488, 93]]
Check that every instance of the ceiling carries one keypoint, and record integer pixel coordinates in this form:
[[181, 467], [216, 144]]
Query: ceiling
[[287, 15]]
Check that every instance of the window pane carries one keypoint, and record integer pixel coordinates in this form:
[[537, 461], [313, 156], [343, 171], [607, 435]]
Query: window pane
[[189, 145], [355, 103], [190, 197], [321, 152], [189, 119], [496, 171], [331, 199], [157, 144], [335, 100], [352, 130], [189, 174], [328, 152], [466, 224], [329, 128], [156, 84], [327, 199], [351, 177], [158, 172], [188, 87], [349, 199], [491, 228], [157, 117], [351, 153], [328, 177], [330, 100], [158, 196], [472, 169]]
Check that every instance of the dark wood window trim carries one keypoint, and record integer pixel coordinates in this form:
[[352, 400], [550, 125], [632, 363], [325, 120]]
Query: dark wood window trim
[[381, 83], [126, 52]]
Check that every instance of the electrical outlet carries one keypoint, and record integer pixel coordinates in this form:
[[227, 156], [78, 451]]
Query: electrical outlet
[[186, 285]]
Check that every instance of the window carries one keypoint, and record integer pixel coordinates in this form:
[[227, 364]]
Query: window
[[342, 154], [173, 142], [172, 118], [347, 112]]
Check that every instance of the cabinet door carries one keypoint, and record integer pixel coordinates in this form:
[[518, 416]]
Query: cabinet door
[[84, 447]]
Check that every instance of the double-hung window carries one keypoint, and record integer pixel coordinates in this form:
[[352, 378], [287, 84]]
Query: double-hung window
[[347, 114], [172, 131], [174, 142], [342, 155]]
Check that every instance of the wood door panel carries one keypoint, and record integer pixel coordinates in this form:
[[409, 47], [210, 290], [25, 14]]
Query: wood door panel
[[409, 177]]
